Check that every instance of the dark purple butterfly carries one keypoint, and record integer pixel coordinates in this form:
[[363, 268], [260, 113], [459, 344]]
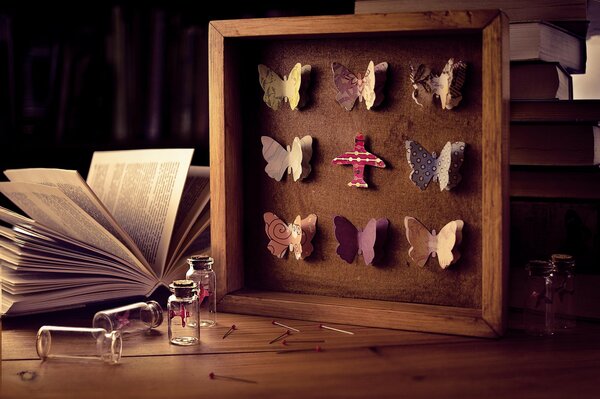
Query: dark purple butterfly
[[368, 242]]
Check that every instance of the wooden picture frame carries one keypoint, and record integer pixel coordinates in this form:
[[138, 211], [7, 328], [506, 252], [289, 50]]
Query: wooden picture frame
[[226, 127]]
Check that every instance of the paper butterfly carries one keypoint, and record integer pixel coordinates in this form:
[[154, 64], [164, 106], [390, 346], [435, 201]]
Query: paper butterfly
[[426, 167], [291, 88], [368, 87], [296, 160], [368, 242], [446, 86], [296, 236], [423, 243]]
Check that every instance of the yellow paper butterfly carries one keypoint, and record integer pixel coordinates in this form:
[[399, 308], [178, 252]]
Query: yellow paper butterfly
[[291, 88]]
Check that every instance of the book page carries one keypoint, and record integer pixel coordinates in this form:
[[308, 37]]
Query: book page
[[48, 206], [74, 187], [142, 190], [194, 200]]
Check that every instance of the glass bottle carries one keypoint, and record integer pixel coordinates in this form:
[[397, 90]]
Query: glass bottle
[[78, 343], [184, 313], [204, 276], [538, 312], [564, 290], [137, 317]]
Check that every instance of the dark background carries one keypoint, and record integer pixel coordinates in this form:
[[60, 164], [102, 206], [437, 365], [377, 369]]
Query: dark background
[[86, 76]]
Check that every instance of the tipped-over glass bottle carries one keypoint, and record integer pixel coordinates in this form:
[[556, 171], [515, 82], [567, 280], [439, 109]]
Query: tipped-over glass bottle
[[134, 318], [184, 313], [203, 275], [78, 343]]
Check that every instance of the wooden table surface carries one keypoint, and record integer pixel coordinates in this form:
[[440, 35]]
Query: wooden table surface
[[374, 363]]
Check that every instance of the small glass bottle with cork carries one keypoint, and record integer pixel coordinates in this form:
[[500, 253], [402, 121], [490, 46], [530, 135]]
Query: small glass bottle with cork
[[203, 275], [184, 313]]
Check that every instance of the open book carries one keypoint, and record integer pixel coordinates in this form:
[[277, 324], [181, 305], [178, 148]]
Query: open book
[[123, 233]]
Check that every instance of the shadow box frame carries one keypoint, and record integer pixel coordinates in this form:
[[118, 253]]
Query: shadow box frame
[[226, 183]]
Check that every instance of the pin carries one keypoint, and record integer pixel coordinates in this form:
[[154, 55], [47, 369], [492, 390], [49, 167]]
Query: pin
[[285, 334], [284, 326], [232, 329], [213, 376], [315, 349], [335, 329], [305, 341]]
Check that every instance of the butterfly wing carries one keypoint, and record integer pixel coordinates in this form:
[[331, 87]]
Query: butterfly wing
[[450, 160], [424, 166], [300, 157], [457, 72], [420, 240], [272, 86], [375, 78], [347, 236], [279, 234], [291, 86], [277, 157], [372, 239], [346, 84], [303, 231], [450, 83], [420, 79], [449, 236]]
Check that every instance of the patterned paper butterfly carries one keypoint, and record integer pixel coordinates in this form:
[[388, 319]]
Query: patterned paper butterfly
[[427, 167], [296, 236], [446, 86], [351, 86], [291, 88], [295, 160], [423, 243], [368, 242]]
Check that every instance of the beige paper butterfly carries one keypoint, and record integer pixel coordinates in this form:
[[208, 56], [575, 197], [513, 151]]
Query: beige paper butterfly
[[291, 88], [423, 243]]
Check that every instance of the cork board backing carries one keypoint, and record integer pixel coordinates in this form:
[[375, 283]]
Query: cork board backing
[[390, 194], [468, 297]]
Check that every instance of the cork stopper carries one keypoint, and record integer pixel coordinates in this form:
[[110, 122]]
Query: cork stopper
[[183, 288], [563, 263], [201, 262]]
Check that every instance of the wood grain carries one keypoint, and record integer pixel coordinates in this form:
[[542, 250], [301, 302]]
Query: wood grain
[[495, 217], [225, 159], [421, 366], [323, 26], [252, 334]]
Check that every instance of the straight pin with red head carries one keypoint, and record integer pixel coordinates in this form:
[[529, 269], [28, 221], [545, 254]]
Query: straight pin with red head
[[284, 326], [285, 334], [335, 329], [232, 329]]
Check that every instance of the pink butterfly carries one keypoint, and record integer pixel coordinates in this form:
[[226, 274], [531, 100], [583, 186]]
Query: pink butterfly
[[368, 242], [351, 86], [296, 236], [423, 243]]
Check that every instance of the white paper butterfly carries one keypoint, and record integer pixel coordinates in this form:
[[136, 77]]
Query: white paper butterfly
[[446, 86], [423, 243], [427, 167], [291, 88], [296, 159]]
